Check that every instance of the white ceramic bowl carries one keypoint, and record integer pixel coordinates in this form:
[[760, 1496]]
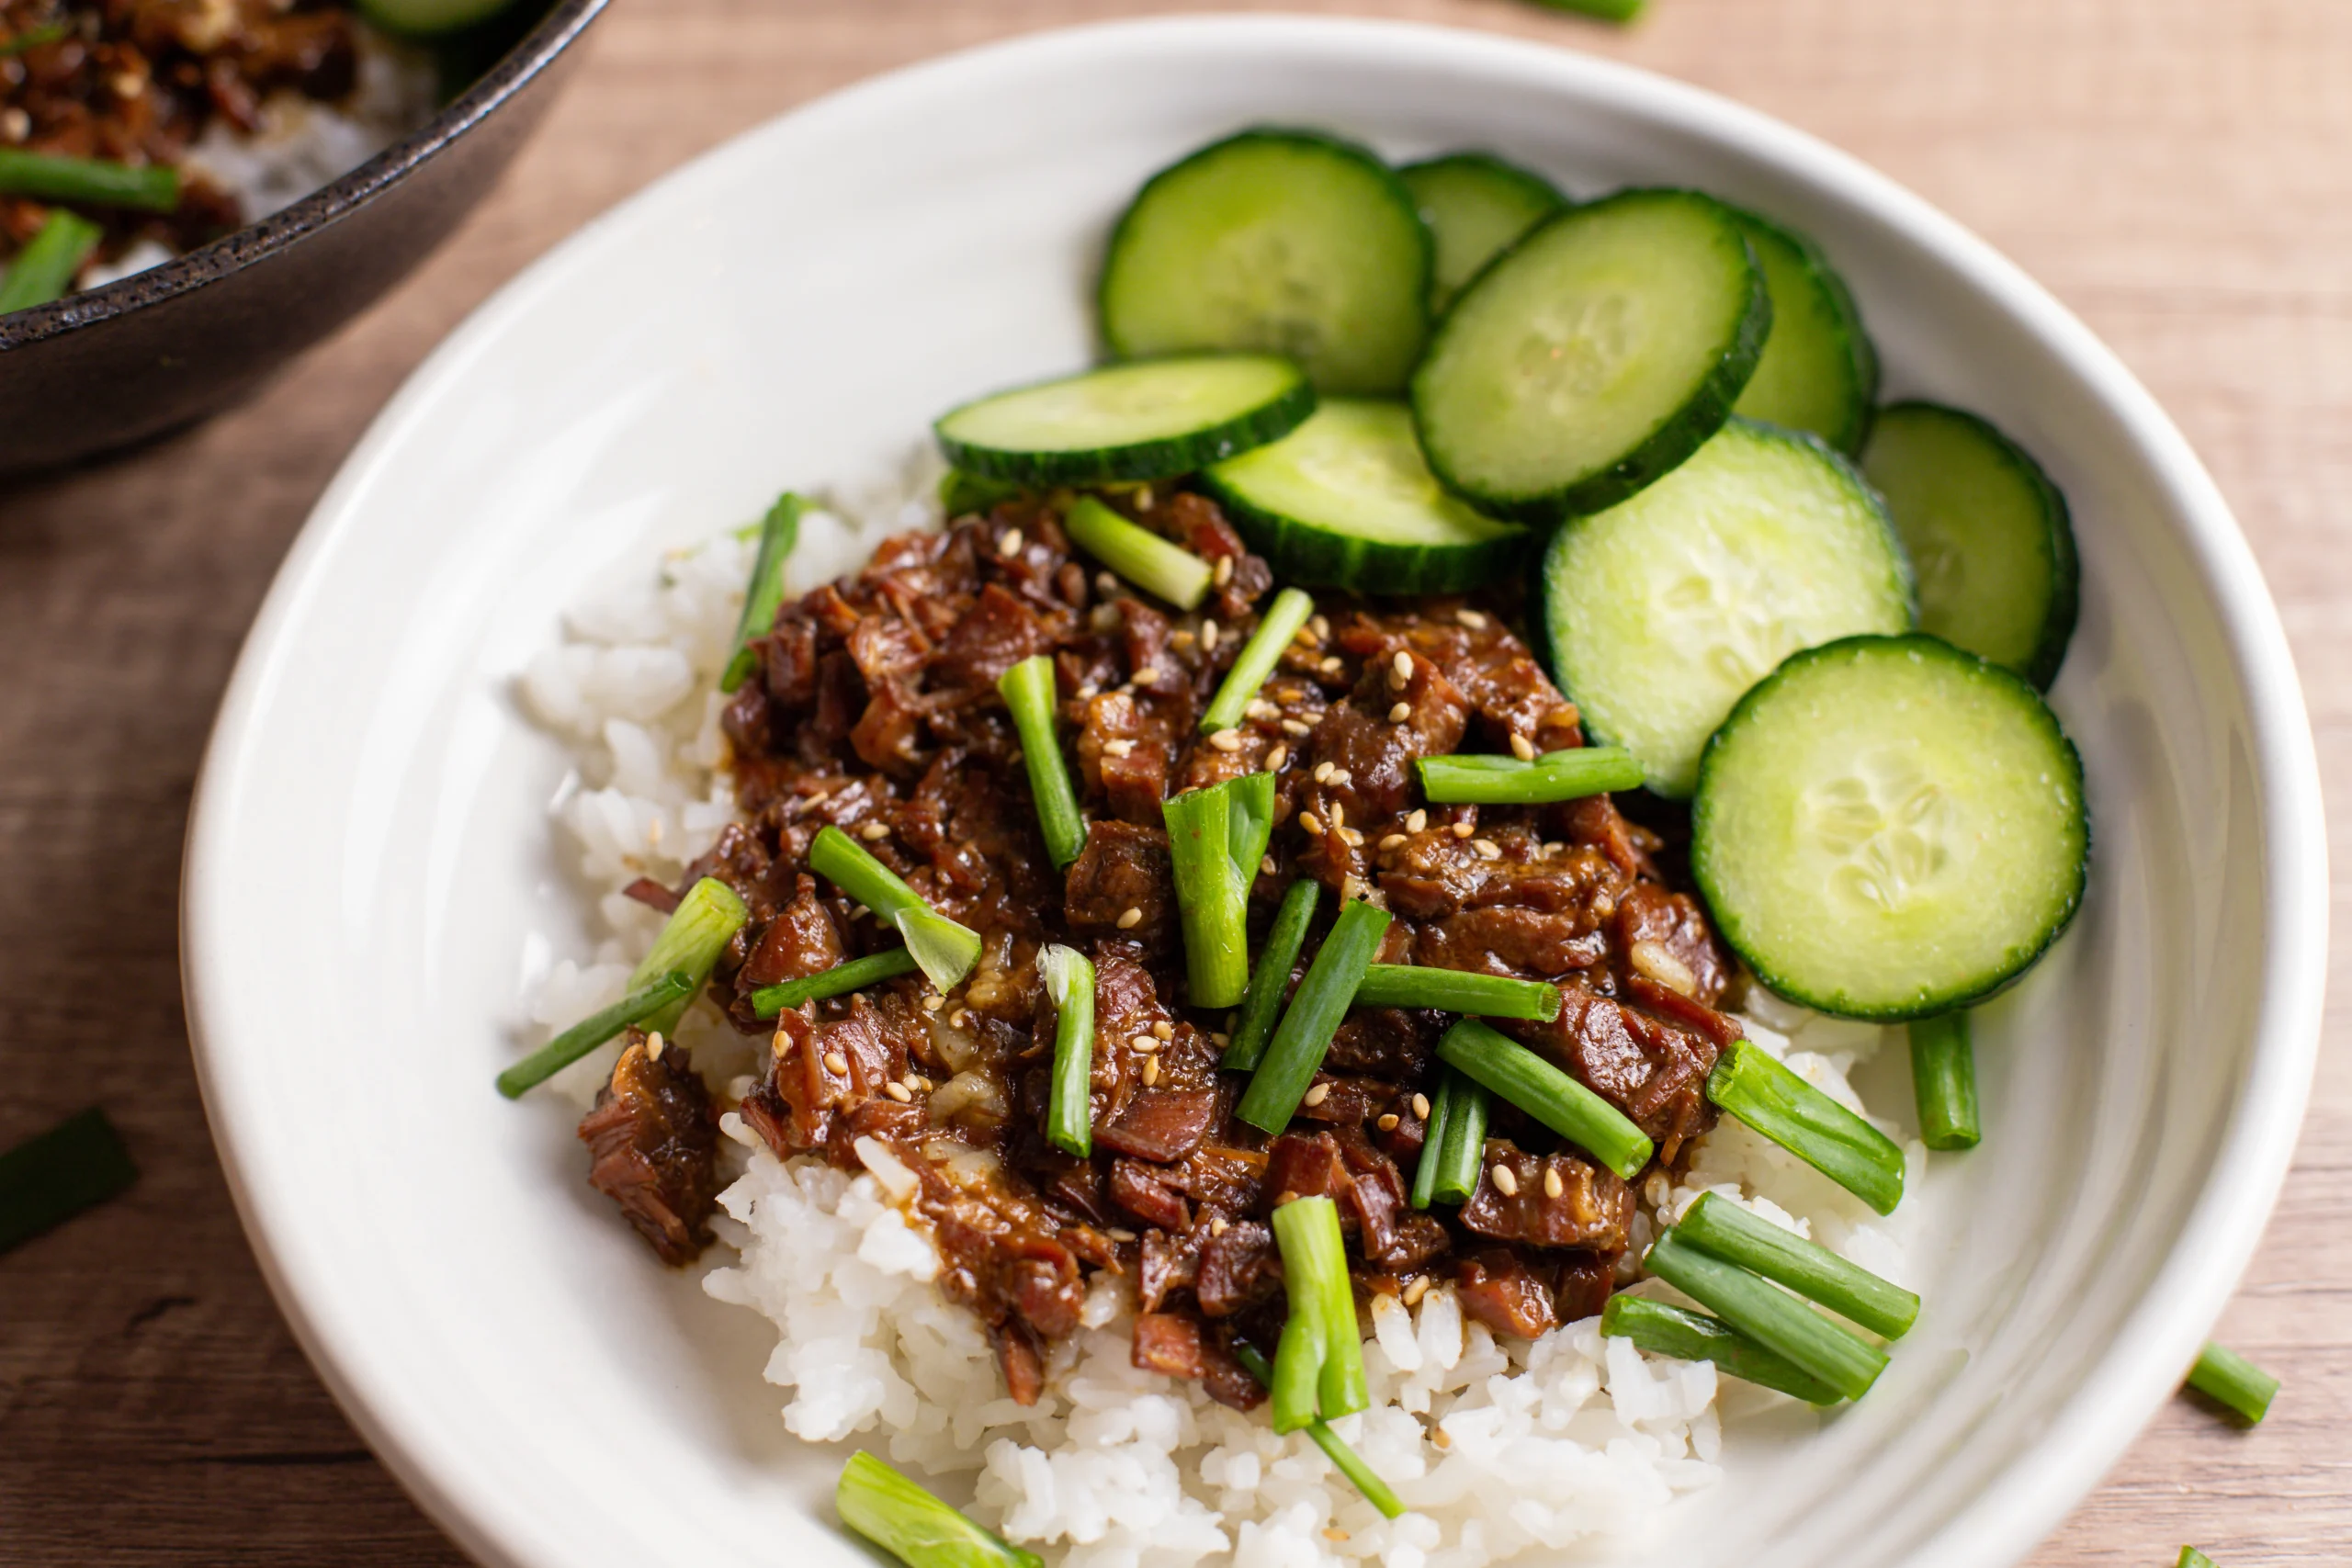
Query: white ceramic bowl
[[370, 866]]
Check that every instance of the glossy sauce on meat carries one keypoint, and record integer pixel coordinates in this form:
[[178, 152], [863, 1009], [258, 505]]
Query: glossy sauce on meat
[[874, 711]]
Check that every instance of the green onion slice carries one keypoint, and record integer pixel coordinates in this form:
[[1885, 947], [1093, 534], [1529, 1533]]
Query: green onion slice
[[88, 182], [1720, 1226], [945, 950], [840, 980], [779, 531], [1456, 990], [53, 1175], [1769, 1097], [1028, 689], [1305, 1034], [1070, 1115], [690, 942], [1518, 1075], [2221, 1373], [639, 1007], [1262, 1002], [1137, 554], [1943, 1077], [1665, 1330], [1349, 1462], [916, 1527], [2192, 1558], [1216, 838], [1570, 774], [1257, 658], [1454, 1146], [1319, 1363], [1771, 1317], [45, 268]]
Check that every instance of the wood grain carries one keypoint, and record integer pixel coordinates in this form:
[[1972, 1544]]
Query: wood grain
[[2175, 170]]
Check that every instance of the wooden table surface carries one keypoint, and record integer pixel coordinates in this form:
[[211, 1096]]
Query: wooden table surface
[[2178, 170]]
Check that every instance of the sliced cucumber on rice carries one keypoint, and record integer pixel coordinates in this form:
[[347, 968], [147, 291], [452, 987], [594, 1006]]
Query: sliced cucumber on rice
[[1661, 611], [1276, 241], [1987, 532], [1144, 421], [1890, 828], [1818, 371], [1476, 205], [1345, 502], [1593, 357]]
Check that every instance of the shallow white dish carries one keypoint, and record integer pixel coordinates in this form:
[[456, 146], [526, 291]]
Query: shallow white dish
[[369, 860]]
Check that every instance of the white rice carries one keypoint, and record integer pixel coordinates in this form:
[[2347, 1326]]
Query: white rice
[[1496, 1447]]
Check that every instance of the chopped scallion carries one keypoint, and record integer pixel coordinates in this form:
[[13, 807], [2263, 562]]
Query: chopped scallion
[[1770, 1315], [1665, 1330], [53, 1175], [1319, 1363], [1349, 1462], [638, 1007], [962, 494], [45, 268], [1257, 658], [1457, 990], [2192, 1558], [689, 943], [1262, 1002], [88, 182], [1943, 1077], [1518, 1075], [2221, 1373], [945, 950], [1605, 10], [916, 1527], [1070, 1115], [840, 980], [1717, 1226], [1216, 838], [765, 596], [1137, 554], [1455, 1145], [1305, 1031], [1570, 774], [1028, 689], [1771, 1098]]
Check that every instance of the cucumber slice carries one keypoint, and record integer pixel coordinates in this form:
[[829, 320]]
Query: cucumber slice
[[1818, 372], [1593, 357], [1345, 502], [1890, 828], [1476, 205], [1664, 610], [1281, 240], [1987, 532], [1129, 421]]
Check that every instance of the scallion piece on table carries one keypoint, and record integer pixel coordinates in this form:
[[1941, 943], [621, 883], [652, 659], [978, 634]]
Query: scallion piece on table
[[1257, 658], [1270, 981], [88, 182], [1606, 10], [568, 1047], [1028, 689], [1570, 774], [838, 981], [1770, 1315], [1665, 1330], [2221, 1373], [1137, 554], [916, 1527], [1769, 1097], [779, 531], [1943, 1077], [1455, 1144], [1070, 1114], [1518, 1075], [2192, 1558], [1319, 1363], [1717, 1226], [53, 1175], [942, 949], [1349, 1462], [1305, 1031], [690, 942], [1216, 838], [45, 269], [1457, 990]]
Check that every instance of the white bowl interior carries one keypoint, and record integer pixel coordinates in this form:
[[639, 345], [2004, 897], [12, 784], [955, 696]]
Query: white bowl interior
[[372, 872]]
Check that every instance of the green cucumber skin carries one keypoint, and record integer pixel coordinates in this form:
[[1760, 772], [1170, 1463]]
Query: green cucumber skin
[[1138, 461], [1539, 197], [1105, 306], [1862, 355], [1783, 986], [1674, 438], [1317, 558], [2065, 563]]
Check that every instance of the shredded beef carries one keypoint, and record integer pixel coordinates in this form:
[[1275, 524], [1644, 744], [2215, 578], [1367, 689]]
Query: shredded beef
[[653, 1147]]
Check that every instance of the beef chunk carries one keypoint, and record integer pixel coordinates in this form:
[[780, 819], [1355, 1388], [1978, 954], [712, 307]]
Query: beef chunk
[[1240, 1267], [1654, 1071], [1559, 1200], [1125, 869], [1496, 1287], [653, 1143]]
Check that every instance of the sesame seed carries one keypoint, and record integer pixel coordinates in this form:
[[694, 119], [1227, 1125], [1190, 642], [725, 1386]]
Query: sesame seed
[[899, 1092], [1088, 692], [1339, 815], [1471, 618], [1487, 848], [1008, 542], [932, 1004], [1522, 746], [1463, 829], [1146, 676], [1553, 1185], [1220, 1039], [837, 1064], [128, 83], [1120, 1233], [1297, 729], [1266, 865], [1312, 823], [1276, 757], [1400, 713], [1303, 636], [1150, 1071], [1227, 740], [1318, 1095], [1505, 1182], [1180, 638], [1217, 1222], [1143, 1043], [1118, 748], [1321, 626], [874, 832], [1334, 1534], [1416, 1290], [1441, 1438], [1401, 670], [781, 1044], [1421, 1106], [1331, 666], [1354, 839], [1106, 584], [1130, 918], [1224, 572], [1387, 1123], [1143, 498], [1163, 1029], [1209, 633], [654, 1043], [1394, 840], [1323, 772], [914, 1081], [1418, 822], [1340, 778], [858, 911], [961, 1018]]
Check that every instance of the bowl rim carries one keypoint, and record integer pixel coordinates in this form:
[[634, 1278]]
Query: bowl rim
[[348, 192], [2144, 1365]]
